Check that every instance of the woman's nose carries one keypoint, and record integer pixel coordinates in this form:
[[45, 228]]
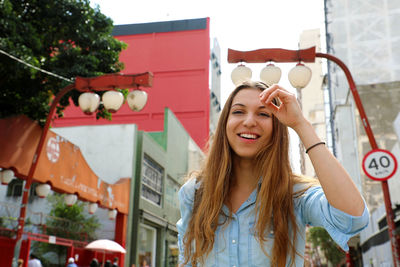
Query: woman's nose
[[249, 120]]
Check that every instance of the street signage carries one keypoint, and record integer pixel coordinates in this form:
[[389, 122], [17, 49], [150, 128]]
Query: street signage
[[379, 164]]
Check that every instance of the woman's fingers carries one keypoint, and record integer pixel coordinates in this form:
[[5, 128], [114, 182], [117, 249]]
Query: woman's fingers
[[275, 91], [288, 112]]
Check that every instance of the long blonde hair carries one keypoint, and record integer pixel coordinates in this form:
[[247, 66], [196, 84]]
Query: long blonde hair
[[274, 199]]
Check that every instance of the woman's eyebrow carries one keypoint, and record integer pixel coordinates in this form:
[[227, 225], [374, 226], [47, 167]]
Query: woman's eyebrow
[[238, 104]]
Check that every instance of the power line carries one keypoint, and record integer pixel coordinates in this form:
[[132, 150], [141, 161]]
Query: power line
[[36, 68]]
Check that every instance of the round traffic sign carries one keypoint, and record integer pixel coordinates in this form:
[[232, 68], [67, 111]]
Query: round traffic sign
[[379, 164]]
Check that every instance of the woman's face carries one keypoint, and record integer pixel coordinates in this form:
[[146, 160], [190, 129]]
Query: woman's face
[[249, 125]]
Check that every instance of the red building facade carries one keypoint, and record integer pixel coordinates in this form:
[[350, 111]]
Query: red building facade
[[177, 53]]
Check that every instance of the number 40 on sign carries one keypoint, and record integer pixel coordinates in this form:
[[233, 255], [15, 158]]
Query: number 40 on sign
[[379, 164]]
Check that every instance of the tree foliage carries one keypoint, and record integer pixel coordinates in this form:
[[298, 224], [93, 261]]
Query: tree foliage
[[319, 237], [66, 37], [71, 222]]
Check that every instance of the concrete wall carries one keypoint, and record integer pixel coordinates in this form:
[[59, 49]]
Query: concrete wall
[[108, 149]]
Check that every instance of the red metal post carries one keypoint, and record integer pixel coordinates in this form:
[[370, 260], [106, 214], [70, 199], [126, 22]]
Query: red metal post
[[372, 141], [309, 55], [101, 83], [349, 262]]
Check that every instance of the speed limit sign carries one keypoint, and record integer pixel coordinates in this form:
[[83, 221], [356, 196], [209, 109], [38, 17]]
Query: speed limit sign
[[379, 164]]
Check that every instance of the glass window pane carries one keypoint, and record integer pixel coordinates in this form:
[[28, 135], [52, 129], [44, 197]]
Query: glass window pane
[[147, 246]]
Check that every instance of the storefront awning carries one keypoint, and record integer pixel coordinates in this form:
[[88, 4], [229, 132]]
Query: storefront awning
[[61, 164]]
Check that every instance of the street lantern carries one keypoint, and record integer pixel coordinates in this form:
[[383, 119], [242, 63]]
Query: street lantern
[[6, 176], [137, 99], [89, 102], [270, 74], [93, 207], [70, 199], [43, 190], [112, 214], [112, 100], [299, 76], [241, 74]]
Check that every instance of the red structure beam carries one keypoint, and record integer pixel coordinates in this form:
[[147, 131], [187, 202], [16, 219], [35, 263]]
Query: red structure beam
[[112, 81], [272, 54]]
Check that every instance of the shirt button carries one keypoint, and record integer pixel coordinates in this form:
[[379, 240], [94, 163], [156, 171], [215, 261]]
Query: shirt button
[[233, 242]]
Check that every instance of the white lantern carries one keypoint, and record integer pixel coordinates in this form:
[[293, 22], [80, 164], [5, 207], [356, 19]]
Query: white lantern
[[93, 208], [241, 74], [43, 190], [6, 176], [137, 99], [112, 100], [270, 74], [300, 76], [89, 102], [70, 199], [112, 214]]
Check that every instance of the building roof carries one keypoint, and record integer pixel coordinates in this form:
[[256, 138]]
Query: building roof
[[163, 26]]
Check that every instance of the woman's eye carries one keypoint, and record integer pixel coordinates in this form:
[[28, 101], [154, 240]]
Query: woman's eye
[[265, 114], [237, 112]]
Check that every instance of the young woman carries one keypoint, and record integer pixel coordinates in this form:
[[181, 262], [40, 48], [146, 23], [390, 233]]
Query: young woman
[[246, 207]]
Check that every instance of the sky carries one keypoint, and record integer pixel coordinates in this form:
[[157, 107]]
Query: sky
[[239, 25]]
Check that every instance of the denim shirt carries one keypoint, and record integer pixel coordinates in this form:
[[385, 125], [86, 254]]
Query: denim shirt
[[236, 244]]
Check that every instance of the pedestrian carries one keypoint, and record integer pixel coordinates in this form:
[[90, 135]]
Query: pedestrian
[[20, 263], [246, 207], [115, 263], [144, 263], [34, 261], [108, 263], [94, 263], [71, 262]]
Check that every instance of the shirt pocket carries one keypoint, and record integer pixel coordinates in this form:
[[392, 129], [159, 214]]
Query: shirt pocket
[[256, 255]]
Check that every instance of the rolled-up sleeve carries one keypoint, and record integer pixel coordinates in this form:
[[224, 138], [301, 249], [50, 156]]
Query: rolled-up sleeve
[[316, 211], [185, 195]]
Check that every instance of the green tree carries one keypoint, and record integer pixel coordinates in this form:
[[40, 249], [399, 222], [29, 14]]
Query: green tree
[[319, 237], [65, 37], [71, 222]]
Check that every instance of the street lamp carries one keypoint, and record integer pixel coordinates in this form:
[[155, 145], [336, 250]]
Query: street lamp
[[309, 55], [92, 208], [6, 176], [90, 102], [43, 190]]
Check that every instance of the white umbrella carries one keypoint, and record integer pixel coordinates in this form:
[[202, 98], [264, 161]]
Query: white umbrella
[[104, 245]]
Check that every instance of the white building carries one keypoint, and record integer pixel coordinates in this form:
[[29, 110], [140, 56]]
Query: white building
[[365, 35]]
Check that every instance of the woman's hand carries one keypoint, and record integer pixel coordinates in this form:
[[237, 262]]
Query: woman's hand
[[289, 111]]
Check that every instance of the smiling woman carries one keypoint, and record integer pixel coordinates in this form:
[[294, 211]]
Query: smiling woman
[[247, 199]]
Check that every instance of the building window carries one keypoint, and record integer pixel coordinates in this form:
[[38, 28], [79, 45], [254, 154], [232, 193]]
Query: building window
[[152, 181], [14, 188]]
